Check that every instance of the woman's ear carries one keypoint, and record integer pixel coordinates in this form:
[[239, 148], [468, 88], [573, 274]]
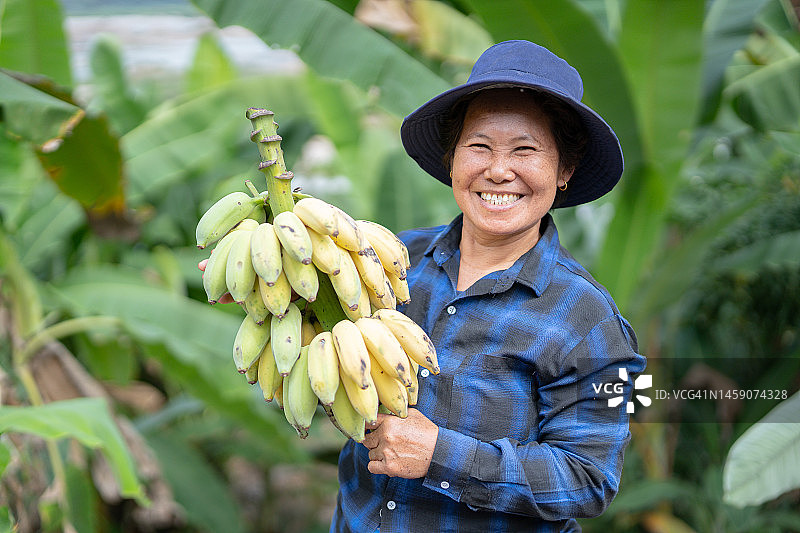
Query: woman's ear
[[566, 175]]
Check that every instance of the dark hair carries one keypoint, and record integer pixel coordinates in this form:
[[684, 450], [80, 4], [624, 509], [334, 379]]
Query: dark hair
[[566, 126]]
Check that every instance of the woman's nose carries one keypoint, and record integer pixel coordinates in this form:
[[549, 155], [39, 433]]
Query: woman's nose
[[500, 169]]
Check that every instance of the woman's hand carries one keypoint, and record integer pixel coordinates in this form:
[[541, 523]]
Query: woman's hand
[[401, 447], [226, 298]]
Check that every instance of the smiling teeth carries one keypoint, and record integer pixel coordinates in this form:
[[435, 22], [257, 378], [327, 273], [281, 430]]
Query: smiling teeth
[[499, 199]]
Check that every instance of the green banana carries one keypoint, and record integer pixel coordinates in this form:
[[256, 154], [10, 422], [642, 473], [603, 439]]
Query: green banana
[[223, 215], [239, 274], [276, 296], [255, 307], [265, 253], [301, 398], [249, 342], [302, 277], [286, 334], [252, 372], [214, 276], [287, 411]]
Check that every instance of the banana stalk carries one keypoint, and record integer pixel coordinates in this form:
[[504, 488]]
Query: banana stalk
[[326, 307]]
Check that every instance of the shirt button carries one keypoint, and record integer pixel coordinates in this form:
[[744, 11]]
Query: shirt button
[[424, 373], [391, 505], [445, 485], [451, 309]]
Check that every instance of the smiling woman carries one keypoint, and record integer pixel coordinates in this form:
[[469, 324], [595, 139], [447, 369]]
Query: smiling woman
[[510, 435]]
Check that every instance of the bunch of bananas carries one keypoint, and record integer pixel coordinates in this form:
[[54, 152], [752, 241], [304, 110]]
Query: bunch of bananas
[[320, 291]]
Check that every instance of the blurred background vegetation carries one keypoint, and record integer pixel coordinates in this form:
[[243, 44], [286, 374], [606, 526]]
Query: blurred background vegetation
[[121, 410]]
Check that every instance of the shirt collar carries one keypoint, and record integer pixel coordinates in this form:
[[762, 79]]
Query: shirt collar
[[533, 269]]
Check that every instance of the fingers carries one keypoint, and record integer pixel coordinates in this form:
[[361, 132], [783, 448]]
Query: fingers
[[377, 467], [202, 265]]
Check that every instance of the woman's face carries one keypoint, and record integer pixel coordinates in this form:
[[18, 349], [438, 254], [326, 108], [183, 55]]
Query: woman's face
[[505, 166]]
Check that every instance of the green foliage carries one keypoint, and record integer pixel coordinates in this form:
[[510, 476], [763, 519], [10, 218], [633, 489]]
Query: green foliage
[[99, 200], [85, 419], [32, 39], [762, 463]]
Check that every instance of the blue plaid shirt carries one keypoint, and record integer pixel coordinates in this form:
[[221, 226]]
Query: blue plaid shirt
[[525, 443]]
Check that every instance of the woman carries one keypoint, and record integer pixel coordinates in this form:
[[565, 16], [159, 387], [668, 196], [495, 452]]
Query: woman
[[511, 435]]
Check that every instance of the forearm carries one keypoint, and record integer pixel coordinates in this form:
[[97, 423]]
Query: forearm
[[541, 480]]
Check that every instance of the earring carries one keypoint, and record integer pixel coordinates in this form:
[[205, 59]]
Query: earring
[[564, 188], [451, 174]]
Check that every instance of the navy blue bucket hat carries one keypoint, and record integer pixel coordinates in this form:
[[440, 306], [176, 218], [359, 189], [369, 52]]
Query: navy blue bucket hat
[[521, 64]]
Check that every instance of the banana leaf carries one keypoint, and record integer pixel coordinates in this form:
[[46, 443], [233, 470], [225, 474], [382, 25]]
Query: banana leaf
[[728, 25], [765, 461], [86, 419], [111, 89], [768, 98], [660, 47], [32, 39], [31, 112], [192, 340], [210, 66], [192, 133], [334, 44]]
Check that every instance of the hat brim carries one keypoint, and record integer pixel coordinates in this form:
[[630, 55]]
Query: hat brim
[[598, 172]]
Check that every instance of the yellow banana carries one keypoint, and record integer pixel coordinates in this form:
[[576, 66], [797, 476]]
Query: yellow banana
[[323, 367], [391, 393], [214, 281], [303, 278], [413, 390], [249, 342], [293, 236], [239, 273], [279, 393], [347, 419], [324, 253], [387, 300], [384, 348], [370, 269], [318, 215], [399, 288], [352, 352], [347, 283], [285, 338], [389, 249], [350, 236], [390, 235], [268, 376], [277, 296], [413, 338], [265, 253], [301, 398], [223, 215], [255, 307], [364, 400], [353, 315]]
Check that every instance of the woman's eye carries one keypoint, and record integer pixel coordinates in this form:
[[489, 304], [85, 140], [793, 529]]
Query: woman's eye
[[525, 149], [479, 146]]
